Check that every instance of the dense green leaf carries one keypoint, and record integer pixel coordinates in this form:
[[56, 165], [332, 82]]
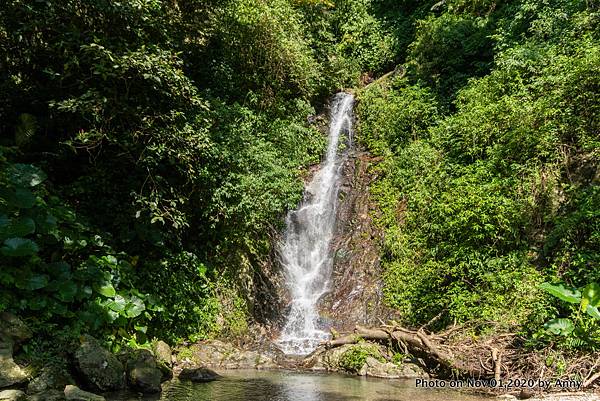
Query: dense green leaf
[[19, 247], [67, 291], [562, 327], [26, 175], [19, 227], [37, 281]]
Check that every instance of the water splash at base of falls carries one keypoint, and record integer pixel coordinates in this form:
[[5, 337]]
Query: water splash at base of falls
[[305, 250]]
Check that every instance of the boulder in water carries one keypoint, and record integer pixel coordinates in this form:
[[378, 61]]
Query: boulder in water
[[143, 373], [198, 375], [74, 393]]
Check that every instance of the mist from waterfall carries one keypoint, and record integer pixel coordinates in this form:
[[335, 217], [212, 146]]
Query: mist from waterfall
[[305, 250]]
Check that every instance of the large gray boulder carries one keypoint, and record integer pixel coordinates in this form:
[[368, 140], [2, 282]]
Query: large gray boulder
[[98, 367], [12, 395], [10, 372], [143, 373], [12, 332], [51, 377], [220, 355], [163, 353], [164, 359], [74, 393]]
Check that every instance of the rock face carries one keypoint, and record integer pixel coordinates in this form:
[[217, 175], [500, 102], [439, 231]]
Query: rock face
[[356, 295], [98, 367], [198, 375], [74, 393], [12, 395], [50, 378], [12, 332], [216, 354], [143, 373]]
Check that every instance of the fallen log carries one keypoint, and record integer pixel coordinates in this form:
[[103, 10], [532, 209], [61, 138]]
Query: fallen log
[[419, 344]]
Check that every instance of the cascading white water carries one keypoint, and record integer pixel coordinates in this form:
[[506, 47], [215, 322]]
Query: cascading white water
[[305, 250]]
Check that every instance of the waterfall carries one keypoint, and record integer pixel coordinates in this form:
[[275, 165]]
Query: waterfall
[[305, 249]]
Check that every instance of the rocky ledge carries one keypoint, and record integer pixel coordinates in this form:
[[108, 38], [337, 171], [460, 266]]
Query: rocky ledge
[[88, 365]]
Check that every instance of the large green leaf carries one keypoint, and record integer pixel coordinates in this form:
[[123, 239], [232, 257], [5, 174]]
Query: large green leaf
[[67, 291], [117, 304], [19, 247], [561, 327], [36, 282], [26, 175], [593, 311], [571, 295], [23, 198], [591, 293], [135, 307], [106, 288], [17, 228]]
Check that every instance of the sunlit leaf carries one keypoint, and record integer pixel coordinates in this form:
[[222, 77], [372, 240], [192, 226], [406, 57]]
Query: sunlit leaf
[[591, 293], [135, 307], [571, 295], [561, 327], [106, 289]]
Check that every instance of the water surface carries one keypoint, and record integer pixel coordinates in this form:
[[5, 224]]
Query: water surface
[[255, 385]]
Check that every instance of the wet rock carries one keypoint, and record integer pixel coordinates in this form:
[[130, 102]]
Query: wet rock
[[163, 353], [12, 395], [164, 359], [74, 393], [198, 375], [222, 355], [389, 370], [47, 395], [143, 373], [99, 368], [51, 377], [12, 332]]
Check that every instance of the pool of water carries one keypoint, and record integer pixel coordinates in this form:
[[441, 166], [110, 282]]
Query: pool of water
[[255, 385]]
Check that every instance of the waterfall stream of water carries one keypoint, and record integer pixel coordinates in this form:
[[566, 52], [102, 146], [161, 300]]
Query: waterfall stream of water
[[305, 249]]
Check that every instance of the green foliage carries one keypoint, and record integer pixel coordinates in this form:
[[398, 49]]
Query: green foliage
[[449, 49], [354, 358], [484, 200], [576, 331], [84, 281], [173, 137]]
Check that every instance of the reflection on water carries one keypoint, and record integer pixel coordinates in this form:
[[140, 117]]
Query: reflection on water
[[296, 386]]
